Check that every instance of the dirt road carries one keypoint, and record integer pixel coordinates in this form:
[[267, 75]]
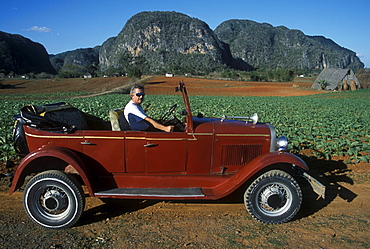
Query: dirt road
[[342, 220]]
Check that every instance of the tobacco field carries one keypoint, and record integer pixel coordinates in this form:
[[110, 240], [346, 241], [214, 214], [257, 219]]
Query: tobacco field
[[327, 125]]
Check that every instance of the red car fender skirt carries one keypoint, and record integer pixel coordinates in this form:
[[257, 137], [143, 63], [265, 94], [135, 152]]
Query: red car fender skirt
[[253, 167], [64, 154]]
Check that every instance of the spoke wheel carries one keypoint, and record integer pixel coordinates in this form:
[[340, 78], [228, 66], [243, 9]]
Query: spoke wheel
[[274, 197], [54, 200]]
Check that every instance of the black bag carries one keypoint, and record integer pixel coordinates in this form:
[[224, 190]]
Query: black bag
[[59, 117], [20, 142]]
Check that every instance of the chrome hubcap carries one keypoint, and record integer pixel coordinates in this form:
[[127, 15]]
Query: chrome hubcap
[[274, 199], [54, 201]]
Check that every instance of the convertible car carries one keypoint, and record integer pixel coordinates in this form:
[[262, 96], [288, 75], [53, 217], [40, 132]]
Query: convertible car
[[71, 154]]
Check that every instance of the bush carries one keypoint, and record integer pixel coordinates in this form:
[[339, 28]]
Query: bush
[[230, 74], [134, 72], [71, 71], [284, 75]]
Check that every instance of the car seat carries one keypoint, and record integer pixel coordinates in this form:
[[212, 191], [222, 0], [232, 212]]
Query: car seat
[[118, 120]]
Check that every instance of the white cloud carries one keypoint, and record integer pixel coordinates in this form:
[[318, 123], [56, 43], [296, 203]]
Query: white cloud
[[40, 29]]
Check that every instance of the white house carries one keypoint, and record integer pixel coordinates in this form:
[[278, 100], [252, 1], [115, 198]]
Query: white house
[[87, 76]]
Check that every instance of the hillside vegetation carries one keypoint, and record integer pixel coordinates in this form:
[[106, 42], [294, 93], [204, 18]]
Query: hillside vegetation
[[265, 46], [21, 55]]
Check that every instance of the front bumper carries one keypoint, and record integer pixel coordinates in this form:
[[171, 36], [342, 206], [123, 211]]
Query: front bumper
[[317, 186]]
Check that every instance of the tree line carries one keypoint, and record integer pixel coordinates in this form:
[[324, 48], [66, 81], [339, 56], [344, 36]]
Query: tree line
[[190, 64]]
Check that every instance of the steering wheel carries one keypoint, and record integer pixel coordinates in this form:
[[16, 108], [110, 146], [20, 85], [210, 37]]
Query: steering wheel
[[168, 113]]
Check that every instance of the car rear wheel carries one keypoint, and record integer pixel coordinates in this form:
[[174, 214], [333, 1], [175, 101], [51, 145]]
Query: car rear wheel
[[54, 199], [274, 197]]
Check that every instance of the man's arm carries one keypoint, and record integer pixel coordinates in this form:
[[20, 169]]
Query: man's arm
[[159, 126]]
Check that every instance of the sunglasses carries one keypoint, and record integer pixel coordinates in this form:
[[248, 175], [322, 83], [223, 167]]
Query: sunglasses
[[140, 94]]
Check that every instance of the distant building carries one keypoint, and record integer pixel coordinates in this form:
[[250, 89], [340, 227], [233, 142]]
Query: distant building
[[336, 79], [169, 75], [87, 76]]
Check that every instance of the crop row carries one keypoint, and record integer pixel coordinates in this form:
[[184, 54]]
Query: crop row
[[329, 124]]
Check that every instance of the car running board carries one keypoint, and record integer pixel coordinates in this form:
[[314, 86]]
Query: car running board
[[152, 192]]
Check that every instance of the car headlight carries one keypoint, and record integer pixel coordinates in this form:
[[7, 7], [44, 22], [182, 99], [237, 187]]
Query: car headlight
[[282, 143]]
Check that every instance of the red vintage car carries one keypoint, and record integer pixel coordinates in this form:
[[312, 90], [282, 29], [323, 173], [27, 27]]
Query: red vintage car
[[203, 159]]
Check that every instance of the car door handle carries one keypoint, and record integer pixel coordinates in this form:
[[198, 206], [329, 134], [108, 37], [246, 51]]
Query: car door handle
[[86, 142], [150, 145]]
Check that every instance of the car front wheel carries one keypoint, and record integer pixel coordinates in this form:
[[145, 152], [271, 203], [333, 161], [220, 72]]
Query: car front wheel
[[53, 199], [274, 197]]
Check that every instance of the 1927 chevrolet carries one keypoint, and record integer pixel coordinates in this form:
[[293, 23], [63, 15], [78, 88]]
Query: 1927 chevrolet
[[204, 158]]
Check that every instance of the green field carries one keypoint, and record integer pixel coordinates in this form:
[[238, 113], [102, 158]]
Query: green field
[[329, 124]]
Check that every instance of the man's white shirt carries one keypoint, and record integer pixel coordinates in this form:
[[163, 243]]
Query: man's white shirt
[[135, 116]]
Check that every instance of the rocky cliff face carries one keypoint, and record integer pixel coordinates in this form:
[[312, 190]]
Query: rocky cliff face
[[265, 46], [166, 40], [80, 57], [21, 55], [159, 42]]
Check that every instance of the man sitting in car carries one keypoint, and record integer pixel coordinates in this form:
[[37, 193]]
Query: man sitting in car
[[136, 116]]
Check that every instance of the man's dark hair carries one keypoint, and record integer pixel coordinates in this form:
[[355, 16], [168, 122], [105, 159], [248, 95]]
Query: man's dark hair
[[136, 86]]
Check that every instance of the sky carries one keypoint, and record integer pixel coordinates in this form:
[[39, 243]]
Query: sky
[[65, 25]]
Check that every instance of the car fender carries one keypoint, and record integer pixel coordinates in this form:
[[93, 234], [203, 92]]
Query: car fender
[[70, 158], [254, 167]]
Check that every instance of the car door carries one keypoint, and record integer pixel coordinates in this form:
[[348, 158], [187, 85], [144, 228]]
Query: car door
[[155, 152], [165, 152], [104, 150]]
